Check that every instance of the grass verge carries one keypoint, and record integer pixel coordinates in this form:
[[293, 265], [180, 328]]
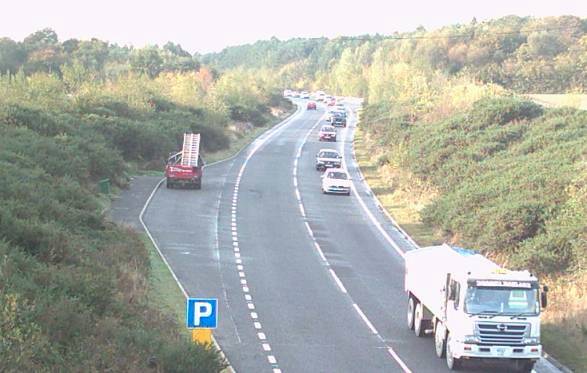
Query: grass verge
[[164, 293], [564, 323], [399, 193], [240, 140]]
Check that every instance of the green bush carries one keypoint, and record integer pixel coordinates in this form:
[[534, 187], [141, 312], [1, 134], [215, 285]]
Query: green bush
[[503, 170]]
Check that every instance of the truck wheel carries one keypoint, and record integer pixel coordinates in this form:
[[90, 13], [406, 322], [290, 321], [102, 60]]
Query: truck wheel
[[524, 366], [169, 185], [419, 320], [198, 185], [440, 340], [451, 362], [411, 310]]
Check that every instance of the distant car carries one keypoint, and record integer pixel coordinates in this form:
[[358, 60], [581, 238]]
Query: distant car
[[311, 106], [305, 95], [327, 133], [338, 120], [328, 158], [336, 180], [295, 94], [287, 93], [331, 102]]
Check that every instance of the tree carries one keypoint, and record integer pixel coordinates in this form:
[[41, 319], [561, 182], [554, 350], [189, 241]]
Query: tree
[[12, 56], [147, 61], [40, 40], [92, 54]]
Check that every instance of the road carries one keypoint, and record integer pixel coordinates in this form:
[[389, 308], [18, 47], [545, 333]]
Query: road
[[306, 282]]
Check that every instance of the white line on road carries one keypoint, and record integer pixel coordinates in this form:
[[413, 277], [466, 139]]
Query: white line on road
[[365, 319], [332, 272], [337, 280], [320, 251]]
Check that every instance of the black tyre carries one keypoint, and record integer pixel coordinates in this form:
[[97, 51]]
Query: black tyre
[[198, 185], [524, 366], [411, 310]]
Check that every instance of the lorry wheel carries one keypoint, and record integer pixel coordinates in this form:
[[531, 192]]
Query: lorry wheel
[[419, 320], [440, 340], [198, 185], [524, 366], [169, 185], [451, 362], [411, 309]]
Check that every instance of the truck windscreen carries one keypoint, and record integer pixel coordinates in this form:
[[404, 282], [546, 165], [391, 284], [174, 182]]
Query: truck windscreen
[[501, 301]]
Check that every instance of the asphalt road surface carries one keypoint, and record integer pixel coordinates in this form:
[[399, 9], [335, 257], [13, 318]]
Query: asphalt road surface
[[306, 282]]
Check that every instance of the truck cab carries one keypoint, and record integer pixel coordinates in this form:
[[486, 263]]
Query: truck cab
[[474, 308]]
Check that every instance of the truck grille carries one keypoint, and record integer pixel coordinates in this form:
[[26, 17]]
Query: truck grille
[[502, 333]]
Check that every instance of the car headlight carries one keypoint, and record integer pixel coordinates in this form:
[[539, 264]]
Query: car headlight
[[532, 341]]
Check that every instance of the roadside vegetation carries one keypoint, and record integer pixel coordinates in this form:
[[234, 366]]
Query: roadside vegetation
[[454, 148], [450, 139], [77, 291]]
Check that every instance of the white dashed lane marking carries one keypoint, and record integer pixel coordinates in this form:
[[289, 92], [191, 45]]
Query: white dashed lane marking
[[333, 274]]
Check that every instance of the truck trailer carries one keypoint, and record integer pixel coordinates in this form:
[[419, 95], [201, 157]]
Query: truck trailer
[[475, 309], [185, 168]]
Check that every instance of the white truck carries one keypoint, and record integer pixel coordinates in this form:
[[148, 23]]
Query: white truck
[[474, 308]]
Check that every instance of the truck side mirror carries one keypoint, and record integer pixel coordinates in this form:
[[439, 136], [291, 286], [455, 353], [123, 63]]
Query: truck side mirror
[[544, 297], [452, 291]]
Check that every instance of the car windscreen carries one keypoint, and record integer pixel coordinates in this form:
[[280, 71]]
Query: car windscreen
[[328, 155], [328, 129], [337, 175]]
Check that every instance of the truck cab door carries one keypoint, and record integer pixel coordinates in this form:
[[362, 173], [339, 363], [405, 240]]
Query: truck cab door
[[445, 292]]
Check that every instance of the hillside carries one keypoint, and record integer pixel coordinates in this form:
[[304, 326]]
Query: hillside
[[75, 292], [452, 140]]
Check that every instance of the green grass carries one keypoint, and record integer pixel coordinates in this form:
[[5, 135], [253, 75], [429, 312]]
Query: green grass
[[566, 350], [238, 143], [396, 200], [164, 293]]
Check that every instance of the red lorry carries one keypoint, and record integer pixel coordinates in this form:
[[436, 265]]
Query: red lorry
[[185, 167]]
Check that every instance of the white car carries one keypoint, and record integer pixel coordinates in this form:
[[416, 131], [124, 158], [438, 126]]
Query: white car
[[336, 180], [305, 95]]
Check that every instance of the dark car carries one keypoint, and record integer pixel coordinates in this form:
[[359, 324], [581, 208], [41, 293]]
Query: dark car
[[328, 158], [338, 119]]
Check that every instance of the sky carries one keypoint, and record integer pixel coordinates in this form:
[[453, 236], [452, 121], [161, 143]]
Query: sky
[[211, 25]]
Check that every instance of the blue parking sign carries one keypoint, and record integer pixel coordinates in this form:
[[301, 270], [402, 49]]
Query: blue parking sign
[[201, 313]]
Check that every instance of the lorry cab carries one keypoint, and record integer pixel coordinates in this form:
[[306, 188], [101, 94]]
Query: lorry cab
[[475, 309]]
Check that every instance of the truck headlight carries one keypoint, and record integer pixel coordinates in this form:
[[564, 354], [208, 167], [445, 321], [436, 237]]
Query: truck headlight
[[470, 339], [532, 341]]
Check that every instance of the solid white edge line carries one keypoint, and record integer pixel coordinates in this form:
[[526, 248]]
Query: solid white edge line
[[285, 120], [365, 319], [185, 294], [320, 251], [337, 280], [398, 360]]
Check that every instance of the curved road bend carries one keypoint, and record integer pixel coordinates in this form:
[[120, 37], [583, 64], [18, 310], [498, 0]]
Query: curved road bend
[[306, 282]]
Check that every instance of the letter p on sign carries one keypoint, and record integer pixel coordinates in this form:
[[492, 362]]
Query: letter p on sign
[[201, 313]]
